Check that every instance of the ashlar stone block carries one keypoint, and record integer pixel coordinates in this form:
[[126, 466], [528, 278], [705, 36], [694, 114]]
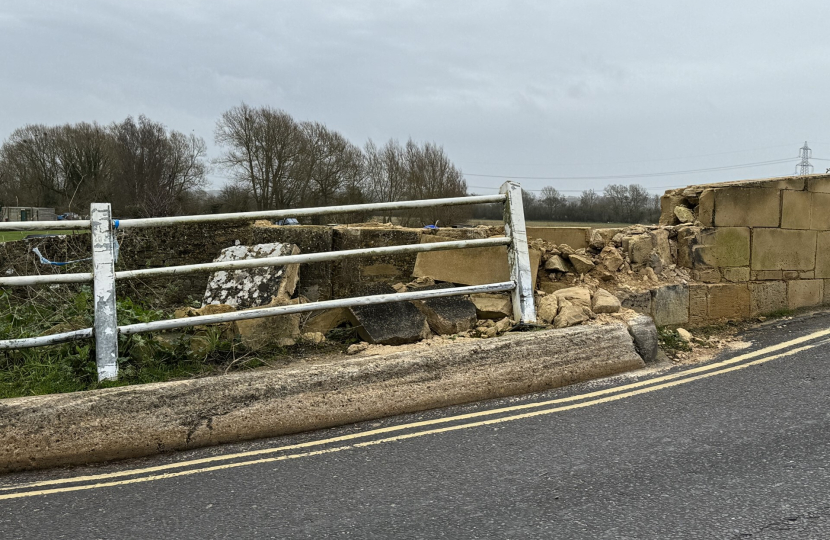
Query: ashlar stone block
[[670, 305], [747, 207], [819, 184], [823, 254], [767, 297], [728, 301], [804, 293], [820, 213], [783, 249], [706, 208], [723, 246], [796, 209]]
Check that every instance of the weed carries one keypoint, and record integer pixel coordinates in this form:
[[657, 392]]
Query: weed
[[671, 342]]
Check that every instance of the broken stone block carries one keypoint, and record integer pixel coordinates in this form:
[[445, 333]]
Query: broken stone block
[[556, 263], [581, 263], [263, 332], [570, 314], [579, 296], [602, 237], [639, 248], [685, 335], [327, 320], [644, 333], [611, 258], [684, 215], [503, 325], [492, 305], [315, 338], [605, 302], [449, 315], [227, 329], [394, 323], [550, 287], [547, 309], [252, 287]]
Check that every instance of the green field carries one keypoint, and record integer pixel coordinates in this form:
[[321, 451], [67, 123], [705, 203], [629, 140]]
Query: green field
[[8, 236]]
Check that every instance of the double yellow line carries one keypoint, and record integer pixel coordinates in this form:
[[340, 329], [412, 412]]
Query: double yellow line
[[161, 472]]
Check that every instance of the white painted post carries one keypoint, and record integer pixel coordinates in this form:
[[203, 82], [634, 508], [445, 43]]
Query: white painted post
[[518, 256], [103, 283]]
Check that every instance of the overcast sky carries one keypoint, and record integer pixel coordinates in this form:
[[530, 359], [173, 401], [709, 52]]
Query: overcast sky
[[562, 89]]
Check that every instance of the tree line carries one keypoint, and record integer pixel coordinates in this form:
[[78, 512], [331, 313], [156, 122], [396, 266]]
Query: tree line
[[272, 161], [616, 203]]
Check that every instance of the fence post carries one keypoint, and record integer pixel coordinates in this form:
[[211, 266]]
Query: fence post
[[518, 256], [103, 283]]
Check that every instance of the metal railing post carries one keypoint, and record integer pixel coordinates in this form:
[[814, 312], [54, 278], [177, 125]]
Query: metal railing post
[[103, 283], [518, 255]]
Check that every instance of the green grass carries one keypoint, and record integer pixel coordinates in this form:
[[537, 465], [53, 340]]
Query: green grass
[[10, 236]]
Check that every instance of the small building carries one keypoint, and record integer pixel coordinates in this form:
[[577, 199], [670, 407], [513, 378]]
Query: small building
[[27, 213]]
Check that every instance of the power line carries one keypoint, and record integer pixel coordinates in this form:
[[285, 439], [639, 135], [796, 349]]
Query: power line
[[649, 160], [640, 175]]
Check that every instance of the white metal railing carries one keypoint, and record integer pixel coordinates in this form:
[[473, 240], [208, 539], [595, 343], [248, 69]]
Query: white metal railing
[[103, 277]]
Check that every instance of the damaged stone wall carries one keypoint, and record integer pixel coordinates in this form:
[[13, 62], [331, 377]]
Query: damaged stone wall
[[753, 247]]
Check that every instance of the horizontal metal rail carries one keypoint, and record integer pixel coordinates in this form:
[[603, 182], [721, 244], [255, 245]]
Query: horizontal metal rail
[[40, 341], [258, 263], [305, 212], [310, 258], [65, 225], [19, 281], [171, 324]]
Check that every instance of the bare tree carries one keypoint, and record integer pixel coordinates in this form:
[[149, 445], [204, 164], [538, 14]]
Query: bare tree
[[262, 149], [553, 201], [155, 168]]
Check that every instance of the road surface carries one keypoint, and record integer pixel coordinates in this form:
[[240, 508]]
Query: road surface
[[735, 448]]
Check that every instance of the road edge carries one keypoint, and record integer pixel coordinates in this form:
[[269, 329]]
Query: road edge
[[141, 420]]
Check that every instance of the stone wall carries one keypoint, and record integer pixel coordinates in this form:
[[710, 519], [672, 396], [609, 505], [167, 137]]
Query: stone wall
[[754, 247], [200, 243]]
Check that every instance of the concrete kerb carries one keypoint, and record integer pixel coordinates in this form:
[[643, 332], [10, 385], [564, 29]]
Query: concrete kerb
[[133, 421]]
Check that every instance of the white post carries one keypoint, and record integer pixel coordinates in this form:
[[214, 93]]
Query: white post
[[518, 256], [103, 282]]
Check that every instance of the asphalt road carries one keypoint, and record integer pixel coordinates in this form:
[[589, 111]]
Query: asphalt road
[[735, 448]]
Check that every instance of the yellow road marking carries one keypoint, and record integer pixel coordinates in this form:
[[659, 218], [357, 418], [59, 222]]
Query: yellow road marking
[[419, 433], [412, 425]]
